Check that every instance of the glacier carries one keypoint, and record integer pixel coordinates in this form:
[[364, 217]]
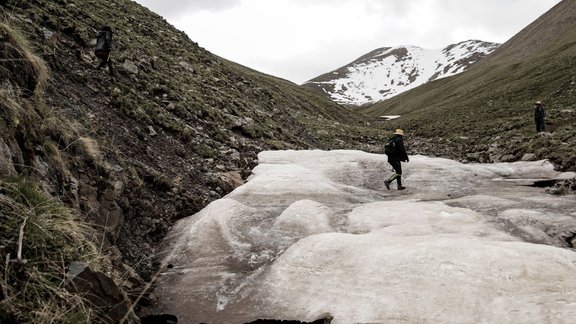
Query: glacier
[[315, 232]]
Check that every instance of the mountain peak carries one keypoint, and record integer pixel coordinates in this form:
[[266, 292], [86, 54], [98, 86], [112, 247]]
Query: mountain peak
[[388, 71]]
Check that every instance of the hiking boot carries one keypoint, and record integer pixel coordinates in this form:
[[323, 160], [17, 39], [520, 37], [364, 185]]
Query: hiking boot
[[387, 184], [401, 187]]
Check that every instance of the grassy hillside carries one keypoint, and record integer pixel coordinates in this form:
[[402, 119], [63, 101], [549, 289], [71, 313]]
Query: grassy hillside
[[490, 107], [175, 118], [175, 129]]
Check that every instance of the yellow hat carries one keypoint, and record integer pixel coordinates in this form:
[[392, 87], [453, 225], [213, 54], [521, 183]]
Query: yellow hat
[[399, 132], [538, 102]]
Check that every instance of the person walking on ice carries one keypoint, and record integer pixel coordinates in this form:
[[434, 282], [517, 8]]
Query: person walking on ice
[[396, 153]]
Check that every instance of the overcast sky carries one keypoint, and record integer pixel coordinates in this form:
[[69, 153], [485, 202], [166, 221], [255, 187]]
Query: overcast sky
[[301, 39]]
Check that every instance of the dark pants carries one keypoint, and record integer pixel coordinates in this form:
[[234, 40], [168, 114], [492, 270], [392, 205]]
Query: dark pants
[[106, 61], [397, 166], [539, 125]]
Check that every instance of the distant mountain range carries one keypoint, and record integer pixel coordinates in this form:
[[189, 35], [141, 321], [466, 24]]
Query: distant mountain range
[[388, 71]]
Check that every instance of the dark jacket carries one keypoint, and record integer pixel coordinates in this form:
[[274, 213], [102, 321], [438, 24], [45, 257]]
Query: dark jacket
[[400, 152], [103, 42], [539, 113]]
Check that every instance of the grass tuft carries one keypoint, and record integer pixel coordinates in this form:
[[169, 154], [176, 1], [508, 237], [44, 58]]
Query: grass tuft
[[19, 63], [38, 239]]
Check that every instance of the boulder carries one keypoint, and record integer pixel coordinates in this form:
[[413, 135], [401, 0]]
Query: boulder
[[151, 131], [231, 180], [130, 67], [473, 157], [110, 303], [529, 157], [112, 214]]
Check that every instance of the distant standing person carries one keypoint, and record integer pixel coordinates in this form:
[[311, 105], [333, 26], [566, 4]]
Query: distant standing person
[[104, 47], [539, 115], [396, 152]]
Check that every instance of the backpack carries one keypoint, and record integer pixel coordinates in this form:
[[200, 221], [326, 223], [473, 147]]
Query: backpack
[[103, 43], [390, 148]]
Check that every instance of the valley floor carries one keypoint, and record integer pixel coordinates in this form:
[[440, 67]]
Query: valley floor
[[314, 233]]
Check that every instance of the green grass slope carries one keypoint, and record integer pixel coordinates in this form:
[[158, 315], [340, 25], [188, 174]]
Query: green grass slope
[[175, 113], [177, 128], [491, 105]]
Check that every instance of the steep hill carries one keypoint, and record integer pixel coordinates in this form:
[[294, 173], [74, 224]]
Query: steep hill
[[488, 112], [175, 129], [386, 72]]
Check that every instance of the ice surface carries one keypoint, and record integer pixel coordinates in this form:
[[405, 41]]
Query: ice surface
[[304, 218], [315, 232]]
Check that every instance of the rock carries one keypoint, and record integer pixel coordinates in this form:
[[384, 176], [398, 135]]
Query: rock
[[130, 67], [102, 207], [236, 121], [109, 302], [71, 192], [563, 187], [543, 153], [115, 255], [507, 158], [187, 66], [131, 278], [92, 42], [232, 154], [495, 158], [6, 165], [473, 157], [232, 179], [42, 167], [529, 157], [112, 214], [48, 34], [151, 131]]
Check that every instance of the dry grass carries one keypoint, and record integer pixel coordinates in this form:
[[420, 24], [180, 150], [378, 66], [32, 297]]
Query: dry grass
[[17, 59], [90, 148], [10, 110], [49, 238]]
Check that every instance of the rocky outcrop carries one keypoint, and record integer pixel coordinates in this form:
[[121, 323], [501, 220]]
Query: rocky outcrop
[[564, 187], [107, 299]]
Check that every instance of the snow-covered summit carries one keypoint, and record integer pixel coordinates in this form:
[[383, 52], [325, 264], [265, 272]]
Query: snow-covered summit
[[389, 71]]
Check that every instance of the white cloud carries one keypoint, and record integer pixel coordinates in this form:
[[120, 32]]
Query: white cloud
[[300, 39], [175, 8]]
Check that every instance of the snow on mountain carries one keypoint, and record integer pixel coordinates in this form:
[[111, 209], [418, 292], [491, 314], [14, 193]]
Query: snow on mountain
[[388, 71]]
